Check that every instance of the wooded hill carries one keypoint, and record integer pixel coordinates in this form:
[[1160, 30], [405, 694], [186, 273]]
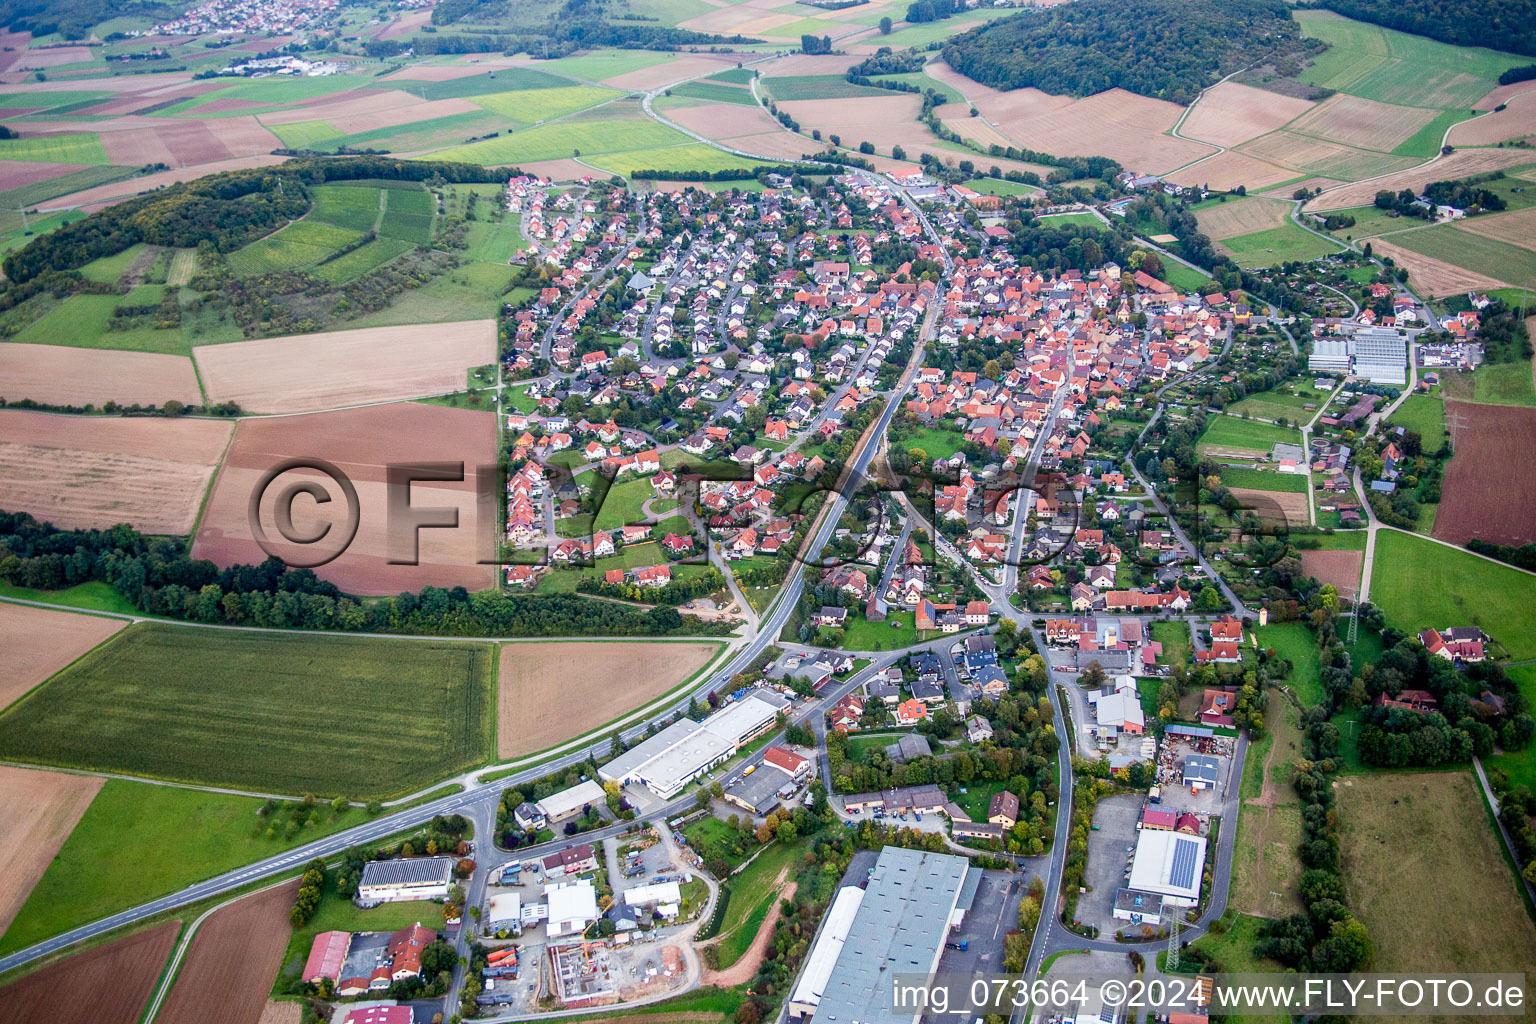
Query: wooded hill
[[1166, 49], [1507, 25]]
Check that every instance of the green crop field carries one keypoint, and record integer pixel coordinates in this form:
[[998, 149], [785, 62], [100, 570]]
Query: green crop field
[[306, 134], [1276, 245], [785, 88], [433, 133], [1426, 142], [360, 717], [113, 858], [79, 148], [1512, 263], [1231, 432], [1424, 414], [599, 64], [695, 156], [355, 209], [1264, 480], [361, 260], [493, 81], [302, 243], [554, 141], [50, 100], [1395, 67], [407, 216], [282, 90], [1419, 584], [530, 105], [735, 76], [711, 91]]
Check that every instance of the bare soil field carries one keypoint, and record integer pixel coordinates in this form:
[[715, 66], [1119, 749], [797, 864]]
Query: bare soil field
[[53, 56], [1341, 568], [96, 472], [1273, 504], [1115, 123], [730, 120], [147, 182], [596, 683], [1427, 832], [1361, 122], [228, 970], [180, 143], [1231, 169], [1231, 113], [15, 173], [812, 64], [1432, 276], [1481, 497], [1516, 121], [42, 808], [671, 71], [39, 642], [110, 984], [281, 1013], [1517, 227], [559, 170], [361, 443], [307, 372], [774, 145], [59, 375], [1460, 164], [1242, 217], [1503, 94], [407, 23]]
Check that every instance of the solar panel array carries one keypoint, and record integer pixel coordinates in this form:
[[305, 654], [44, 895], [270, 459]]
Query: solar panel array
[[1186, 859]]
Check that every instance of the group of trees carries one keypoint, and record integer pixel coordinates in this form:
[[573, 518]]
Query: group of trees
[[157, 576], [1168, 49], [1462, 193]]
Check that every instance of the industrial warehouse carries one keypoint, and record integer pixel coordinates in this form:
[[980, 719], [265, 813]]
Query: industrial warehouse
[[686, 749]]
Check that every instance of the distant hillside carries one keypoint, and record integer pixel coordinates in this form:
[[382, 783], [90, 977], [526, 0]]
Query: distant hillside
[[1507, 25], [1167, 49]]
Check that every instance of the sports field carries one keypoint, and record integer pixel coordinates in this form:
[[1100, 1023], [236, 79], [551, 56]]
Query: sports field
[[1230, 432], [1264, 480], [1419, 584], [329, 715]]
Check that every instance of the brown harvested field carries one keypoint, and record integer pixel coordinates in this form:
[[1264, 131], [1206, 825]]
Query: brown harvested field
[[110, 984], [308, 372], [60, 375], [53, 56], [1231, 169], [1516, 121], [1115, 123], [558, 170], [1481, 497], [189, 142], [281, 1013], [728, 121], [1242, 217], [41, 810], [1274, 505], [133, 186], [17, 173], [353, 118], [861, 117], [1517, 227], [1432, 276], [1361, 122], [1231, 113], [39, 642], [807, 64], [1320, 156], [407, 23], [774, 145], [596, 683], [1459, 164], [671, 71], [229, 967], [1427, 832], [1503, 94], [1341, 568], [361, 443], [91, 472]]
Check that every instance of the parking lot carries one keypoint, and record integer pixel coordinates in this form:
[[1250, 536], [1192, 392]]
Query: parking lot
[[1109, 855]]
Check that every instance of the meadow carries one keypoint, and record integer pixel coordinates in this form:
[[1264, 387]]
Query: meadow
[[753, 893], [1419, 584], [1274, 246], [1519, 766], [114, 859], [1500, 260], [785, 88], [694, 156], [331, 715], [303, 243], [359, 261], [711, 91], [1425, 415], [80, 321], [1297, 644]]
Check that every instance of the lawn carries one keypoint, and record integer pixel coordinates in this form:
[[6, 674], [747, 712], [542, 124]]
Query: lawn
[[1264, 480], [1174, 636], [360, 717], [1512, 263], [1429, 832], [935, 443], [565, 139], [1295, 643], [898, 630], [1249, 435], [116, 856], [621, 506], [786, 88], [1419, 584], [94, 596], [1288, 400], [977, 798], [710, 837], [78, 148], [1184, 278], [1062, 220], [1425, 416], [560, 580], [1275, 246], [1519, 766]]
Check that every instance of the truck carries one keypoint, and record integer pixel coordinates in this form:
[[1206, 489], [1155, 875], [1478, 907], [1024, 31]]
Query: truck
[[962, 945], [750, 769]]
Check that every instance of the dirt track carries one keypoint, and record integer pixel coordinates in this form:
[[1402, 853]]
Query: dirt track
[[742, 970]]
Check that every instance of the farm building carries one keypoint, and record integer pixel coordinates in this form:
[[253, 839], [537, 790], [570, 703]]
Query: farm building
[[326, 956], [1169, 865], [568, 803], [394, 881], [686, 749]]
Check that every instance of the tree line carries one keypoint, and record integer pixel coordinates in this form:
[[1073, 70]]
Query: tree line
[[1497, 24]]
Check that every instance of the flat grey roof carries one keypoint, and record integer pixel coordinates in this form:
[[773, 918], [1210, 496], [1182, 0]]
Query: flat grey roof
[[408, 871], [900, 929]]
